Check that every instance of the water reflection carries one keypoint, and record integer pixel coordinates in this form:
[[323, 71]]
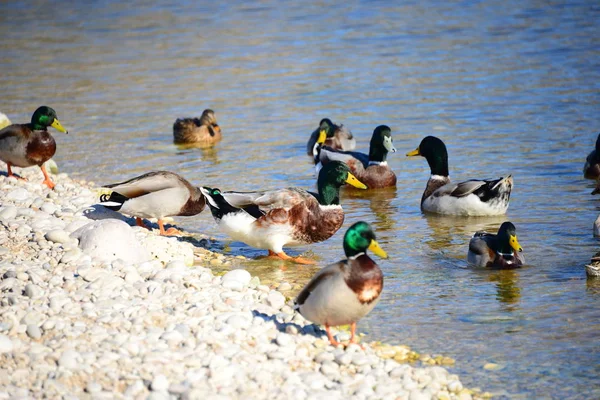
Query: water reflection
[[448, 231], [507, 287], [207, 152], [381, 203]]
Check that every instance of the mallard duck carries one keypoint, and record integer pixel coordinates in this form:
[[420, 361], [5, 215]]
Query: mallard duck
[[371, 169], [154, 195], [26, 145], [496, 251], [473, 197], [338, 137], [286, 217], [344, 292], [591, 168], [197, 130]]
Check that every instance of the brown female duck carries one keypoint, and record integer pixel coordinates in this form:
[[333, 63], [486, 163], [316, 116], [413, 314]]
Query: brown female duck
[[338, 137], [203, 130]]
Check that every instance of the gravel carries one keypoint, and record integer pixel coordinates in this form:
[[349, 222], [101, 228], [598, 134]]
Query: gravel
[[93, 307]]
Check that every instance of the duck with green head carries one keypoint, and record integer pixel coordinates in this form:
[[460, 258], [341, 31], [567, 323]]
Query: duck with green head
[[26, 145], [272, 219], [338, 137], [470, 198], [344, 292], [371, 169], [500, 251]]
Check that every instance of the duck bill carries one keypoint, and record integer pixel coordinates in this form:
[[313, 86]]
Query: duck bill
[[376, 249], [57, 125], [322, 136], [413, 153], [351, 180], [514, 243], [387, 143]]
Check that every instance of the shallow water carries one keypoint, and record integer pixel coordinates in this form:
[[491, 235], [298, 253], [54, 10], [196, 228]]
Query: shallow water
[[511, 87]]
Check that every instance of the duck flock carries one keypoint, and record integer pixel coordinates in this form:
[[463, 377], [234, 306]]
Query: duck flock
[[340, 293]]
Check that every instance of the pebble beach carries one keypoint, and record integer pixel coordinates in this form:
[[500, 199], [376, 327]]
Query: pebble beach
[[92, 307]]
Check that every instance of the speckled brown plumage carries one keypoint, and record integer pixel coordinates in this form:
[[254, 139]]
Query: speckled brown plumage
[[339, 139], [204, 130]]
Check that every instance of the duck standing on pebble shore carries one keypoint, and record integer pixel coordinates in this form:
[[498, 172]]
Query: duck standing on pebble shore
[[26, 145], [272, 219], [157, 195], [344, 292]]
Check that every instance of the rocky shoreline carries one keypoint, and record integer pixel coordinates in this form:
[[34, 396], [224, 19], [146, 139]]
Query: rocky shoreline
[[93, 307]]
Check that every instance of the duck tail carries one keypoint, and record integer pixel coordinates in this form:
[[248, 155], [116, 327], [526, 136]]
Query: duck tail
[[111, 199]]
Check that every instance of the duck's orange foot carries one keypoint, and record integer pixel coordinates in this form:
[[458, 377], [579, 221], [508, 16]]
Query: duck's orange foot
[[172, 232], [48, 183], [299, 260], [17, 177], [140, 222]]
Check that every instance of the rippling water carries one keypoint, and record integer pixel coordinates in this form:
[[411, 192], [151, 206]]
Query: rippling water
[[510, 86]]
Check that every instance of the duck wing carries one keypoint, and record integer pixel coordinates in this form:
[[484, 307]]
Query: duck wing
[[270, 199], [149, 183], [328, 154], [484, 189], [320, 278]]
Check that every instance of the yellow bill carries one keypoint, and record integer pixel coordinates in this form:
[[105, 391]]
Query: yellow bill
[[514, 243], [322, 136], [351, 180], [56, 125], [413, 153], [376, 249]]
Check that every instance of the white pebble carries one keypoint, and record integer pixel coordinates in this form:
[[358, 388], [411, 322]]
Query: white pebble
[[8, 213], [276, 299], [19, 194], [6, 345], [68, 359], [159, 383], [57, 236], [237, 275]]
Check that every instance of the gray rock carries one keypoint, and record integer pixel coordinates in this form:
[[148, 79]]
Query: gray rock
[[32, 291], [33, 331], [10, 274]]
